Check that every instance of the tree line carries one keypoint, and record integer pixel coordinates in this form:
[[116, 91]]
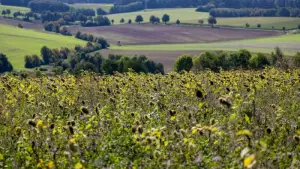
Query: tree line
[[91, 38], [77, 60], [47, 5], [54, 56], [131, 7], [246, 12], [242, 59]]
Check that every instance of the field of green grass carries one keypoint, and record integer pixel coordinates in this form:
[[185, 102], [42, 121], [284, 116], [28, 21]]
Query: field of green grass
[[290, 44], [183, 14], [16, 43], [266, 22], [14, 9], [105, 7]]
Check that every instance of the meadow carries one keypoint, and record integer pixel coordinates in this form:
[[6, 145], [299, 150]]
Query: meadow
[[14, 9], [290, 44], [266, 22], [16, 43], [94, 6], [183, 14], [233, 119]]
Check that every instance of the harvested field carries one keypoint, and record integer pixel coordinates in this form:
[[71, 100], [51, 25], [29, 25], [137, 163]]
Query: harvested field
[[27, 25], [167, 58], [161, 34]]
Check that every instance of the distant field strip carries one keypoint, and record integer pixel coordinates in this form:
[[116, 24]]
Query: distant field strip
[[266, 22], [105, 7], [16, 43], [14, 9], [290, 44], [183, 14]]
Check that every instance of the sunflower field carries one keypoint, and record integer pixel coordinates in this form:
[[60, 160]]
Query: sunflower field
[[231, 119]]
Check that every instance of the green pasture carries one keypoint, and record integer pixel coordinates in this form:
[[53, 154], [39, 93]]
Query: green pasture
[[183, 14], [16, 43], [290, 44], [13, 9]]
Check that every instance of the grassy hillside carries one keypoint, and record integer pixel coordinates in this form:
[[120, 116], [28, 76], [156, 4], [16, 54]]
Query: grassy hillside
[[289, 43], [183, 14], [266, 22], [16, 43], [105, 7], [14, 9]]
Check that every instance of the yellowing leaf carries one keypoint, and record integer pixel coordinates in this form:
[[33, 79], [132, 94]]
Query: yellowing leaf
[[173, 118], [263, 144], [72, 140], [78, 166], [39, 123], [166, 143], [244, 132], [249, 161], [50, 165], [194, 130], [1, 157], [232, 117]]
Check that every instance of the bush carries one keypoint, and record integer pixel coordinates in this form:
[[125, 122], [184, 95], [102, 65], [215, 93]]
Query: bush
[[5, 65], [100, 11], [20, 26], [296, 60], [240, 59], [32, 61], [258, 61], [183, 63], [206, 60]]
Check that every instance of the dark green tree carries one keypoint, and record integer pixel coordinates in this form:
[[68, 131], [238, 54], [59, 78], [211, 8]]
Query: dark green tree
[[139, 19], [183, 63], [46, 54], [212, 20], [165, 18], [5, 65]]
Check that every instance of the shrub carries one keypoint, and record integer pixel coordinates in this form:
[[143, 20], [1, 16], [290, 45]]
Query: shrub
[[296, 60], [183, 63], [206, 60], [258, 61], [259, 25], [100, 11], [5, 65], [20, 26], [240, 59], [201, 21]]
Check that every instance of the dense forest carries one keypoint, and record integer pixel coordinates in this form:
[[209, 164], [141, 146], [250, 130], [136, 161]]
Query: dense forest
[[184, 3]]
